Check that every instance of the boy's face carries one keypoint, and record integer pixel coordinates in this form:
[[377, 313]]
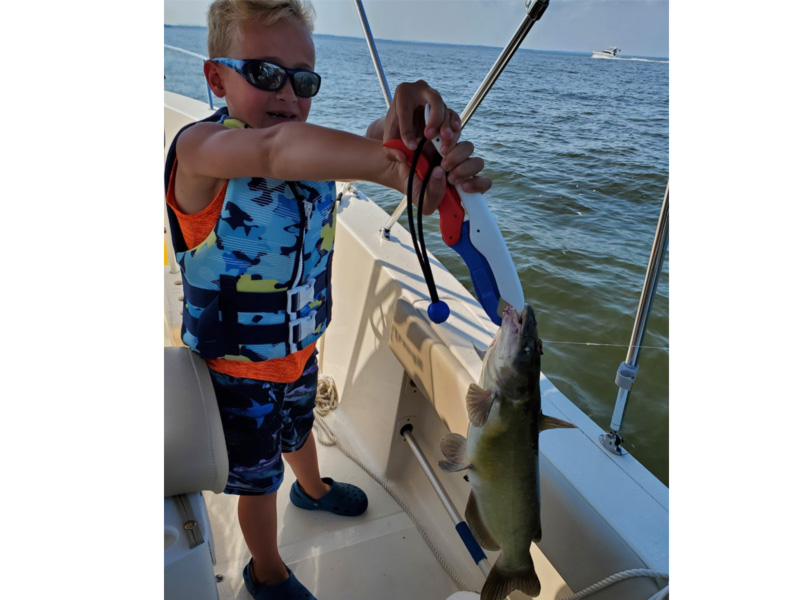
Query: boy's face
[[286, 43]]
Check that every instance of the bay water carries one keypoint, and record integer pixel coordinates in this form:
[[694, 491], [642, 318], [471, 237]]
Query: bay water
[[578, 151]]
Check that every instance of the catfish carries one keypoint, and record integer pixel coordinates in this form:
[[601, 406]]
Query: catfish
[[501, 452]]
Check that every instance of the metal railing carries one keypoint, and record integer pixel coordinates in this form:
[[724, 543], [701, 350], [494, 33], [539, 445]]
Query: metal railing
[[534, 9], [628, 369], [194, 55]]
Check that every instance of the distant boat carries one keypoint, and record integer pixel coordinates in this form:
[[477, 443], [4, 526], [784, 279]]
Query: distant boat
[[608, 53]]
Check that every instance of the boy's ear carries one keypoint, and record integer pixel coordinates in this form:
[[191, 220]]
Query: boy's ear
[[214, 79]]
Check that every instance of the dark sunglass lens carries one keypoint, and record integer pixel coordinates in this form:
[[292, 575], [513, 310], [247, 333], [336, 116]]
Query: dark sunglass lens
[[267, 76], [306, 84]]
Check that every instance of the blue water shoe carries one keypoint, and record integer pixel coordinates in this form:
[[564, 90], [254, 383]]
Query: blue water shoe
[[342, 499], [291, 589]]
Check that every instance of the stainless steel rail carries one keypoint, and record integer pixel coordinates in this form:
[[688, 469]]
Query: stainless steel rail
[[376, 60], [626, 374], [534, 11], [387, 94], [195, 55]]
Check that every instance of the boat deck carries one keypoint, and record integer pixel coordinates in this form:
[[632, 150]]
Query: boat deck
[[379, 554]]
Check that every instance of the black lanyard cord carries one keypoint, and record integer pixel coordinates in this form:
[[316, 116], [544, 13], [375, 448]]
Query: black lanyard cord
[[419, 248]]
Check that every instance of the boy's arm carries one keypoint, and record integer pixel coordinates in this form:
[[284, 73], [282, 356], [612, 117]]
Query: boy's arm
[[209, 153]]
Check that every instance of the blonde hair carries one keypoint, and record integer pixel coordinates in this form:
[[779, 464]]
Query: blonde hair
[[225, 17]]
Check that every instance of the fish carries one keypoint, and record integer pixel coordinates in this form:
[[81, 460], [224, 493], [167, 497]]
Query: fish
[[501, 454]]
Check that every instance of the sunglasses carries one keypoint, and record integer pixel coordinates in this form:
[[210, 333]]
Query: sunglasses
[[271, 77]]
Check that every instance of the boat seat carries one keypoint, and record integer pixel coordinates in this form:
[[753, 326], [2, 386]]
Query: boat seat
[[195, 459]]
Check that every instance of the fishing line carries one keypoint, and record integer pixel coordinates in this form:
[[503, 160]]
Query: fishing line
[[609, 345]]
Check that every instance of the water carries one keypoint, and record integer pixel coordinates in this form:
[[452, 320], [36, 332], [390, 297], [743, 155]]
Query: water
[[578, 150]]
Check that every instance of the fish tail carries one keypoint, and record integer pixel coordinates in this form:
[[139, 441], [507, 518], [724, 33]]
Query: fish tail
[[501, 583]]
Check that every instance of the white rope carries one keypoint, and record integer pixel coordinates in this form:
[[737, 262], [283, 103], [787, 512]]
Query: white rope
[[661, 594], [622, 576], [328, 400]]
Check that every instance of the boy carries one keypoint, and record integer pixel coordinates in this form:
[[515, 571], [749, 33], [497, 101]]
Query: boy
[[252, 207]]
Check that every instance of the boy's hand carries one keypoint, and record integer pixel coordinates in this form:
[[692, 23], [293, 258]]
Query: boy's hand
[[405, 119], [462, 169]]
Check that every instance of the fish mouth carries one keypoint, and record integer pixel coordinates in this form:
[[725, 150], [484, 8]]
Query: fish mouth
[[514, 320], [519, 325], [510, 327]]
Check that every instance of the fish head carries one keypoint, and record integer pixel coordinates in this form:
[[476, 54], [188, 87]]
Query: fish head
[[514, 358]]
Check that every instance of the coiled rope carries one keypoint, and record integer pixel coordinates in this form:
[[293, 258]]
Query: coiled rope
[[328, 400]]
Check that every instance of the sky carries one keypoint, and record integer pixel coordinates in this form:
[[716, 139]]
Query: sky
[[638, 27]]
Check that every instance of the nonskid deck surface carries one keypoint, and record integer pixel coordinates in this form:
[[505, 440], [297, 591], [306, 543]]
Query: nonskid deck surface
[[379, 554]]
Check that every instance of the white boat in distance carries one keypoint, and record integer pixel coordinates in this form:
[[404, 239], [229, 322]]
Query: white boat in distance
[[610, 52]]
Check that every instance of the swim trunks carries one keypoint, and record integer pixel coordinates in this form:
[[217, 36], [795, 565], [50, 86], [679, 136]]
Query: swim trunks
[[261, 420]]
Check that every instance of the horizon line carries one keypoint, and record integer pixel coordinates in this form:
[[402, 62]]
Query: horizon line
[[350, 37]]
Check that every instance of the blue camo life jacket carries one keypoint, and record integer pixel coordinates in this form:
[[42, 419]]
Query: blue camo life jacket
[[259, 286]]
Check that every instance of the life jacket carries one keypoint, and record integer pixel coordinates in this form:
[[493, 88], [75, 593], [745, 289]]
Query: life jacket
[[259, 287]]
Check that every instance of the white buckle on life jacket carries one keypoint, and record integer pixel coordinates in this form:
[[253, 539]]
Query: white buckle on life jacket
[[301, 328], [299, 297]]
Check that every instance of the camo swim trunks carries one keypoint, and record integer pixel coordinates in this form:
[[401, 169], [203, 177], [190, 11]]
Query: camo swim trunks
[[262, 419]]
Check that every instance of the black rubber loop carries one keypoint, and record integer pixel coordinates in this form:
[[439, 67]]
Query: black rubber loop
[[422, 255]]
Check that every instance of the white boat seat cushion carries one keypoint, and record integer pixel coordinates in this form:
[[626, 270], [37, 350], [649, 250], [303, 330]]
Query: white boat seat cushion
[[195, 458]]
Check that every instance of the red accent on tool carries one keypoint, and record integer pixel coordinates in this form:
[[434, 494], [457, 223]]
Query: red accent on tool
[[451, 213]]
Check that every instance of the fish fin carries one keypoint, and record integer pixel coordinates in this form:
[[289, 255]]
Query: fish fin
[[479, 352], [546, 422], [537, 531], [454, 448], [479, 402], [476, 525], [500, 583]]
